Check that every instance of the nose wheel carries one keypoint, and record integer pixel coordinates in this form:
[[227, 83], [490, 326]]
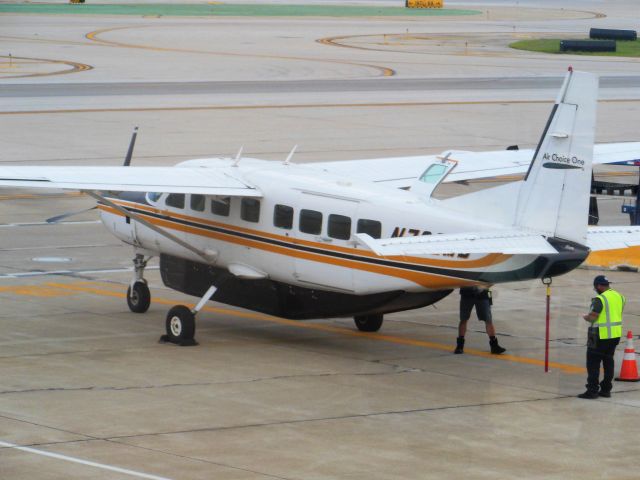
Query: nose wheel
[[181, 322], [138, 297], [138, 294]]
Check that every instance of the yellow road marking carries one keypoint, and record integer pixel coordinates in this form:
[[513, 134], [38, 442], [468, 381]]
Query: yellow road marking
[[385, 71], [565, 368], [35, 290], [295, 106], [75, 66]]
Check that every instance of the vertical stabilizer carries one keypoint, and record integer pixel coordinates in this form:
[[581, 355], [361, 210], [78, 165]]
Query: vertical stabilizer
[[554, 197]]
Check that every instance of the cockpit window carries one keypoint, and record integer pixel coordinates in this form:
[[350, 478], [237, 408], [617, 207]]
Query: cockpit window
[[153, 197], [433, 173]]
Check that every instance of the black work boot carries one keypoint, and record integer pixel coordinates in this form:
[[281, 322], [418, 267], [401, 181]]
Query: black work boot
[[495, 348], [459, 345]]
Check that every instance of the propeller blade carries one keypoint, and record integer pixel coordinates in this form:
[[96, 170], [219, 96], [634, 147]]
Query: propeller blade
[[127, 160], [58, 218]]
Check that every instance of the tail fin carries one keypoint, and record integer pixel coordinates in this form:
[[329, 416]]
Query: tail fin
[[554, 197]]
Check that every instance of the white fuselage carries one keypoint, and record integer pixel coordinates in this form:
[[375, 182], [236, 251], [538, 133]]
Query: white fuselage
[[301, 232]]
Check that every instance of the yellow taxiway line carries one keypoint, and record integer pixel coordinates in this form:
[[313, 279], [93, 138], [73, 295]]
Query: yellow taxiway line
[[52, 289], [294, 106]]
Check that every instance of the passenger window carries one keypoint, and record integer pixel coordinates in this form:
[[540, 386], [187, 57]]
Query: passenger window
[[175, 200], [250, 209], [220, 206], [283, 216], [370, 227], [339, 227], [197, 203], [310, 221]]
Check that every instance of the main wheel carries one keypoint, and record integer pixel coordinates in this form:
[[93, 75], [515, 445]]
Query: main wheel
[[369, 323], [138, 297], [181, 325]]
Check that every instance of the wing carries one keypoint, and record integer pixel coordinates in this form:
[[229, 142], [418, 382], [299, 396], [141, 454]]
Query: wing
[[505, 241], [400, 172], [612, 238], [204, 181]]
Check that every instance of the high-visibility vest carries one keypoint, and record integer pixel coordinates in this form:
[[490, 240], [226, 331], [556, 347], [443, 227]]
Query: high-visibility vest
[[609, 322]]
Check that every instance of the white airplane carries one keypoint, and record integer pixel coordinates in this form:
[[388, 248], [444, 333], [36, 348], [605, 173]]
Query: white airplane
[[340, 239]]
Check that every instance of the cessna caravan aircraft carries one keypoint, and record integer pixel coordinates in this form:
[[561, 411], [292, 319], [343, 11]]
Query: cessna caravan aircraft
[[356, 238]]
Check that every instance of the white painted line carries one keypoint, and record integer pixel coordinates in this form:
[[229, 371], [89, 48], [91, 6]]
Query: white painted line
[[65, 458], [37, 224], [60, 247], [68, 272]]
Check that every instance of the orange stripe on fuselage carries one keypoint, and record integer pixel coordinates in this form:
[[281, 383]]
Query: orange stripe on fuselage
[[435, 281]]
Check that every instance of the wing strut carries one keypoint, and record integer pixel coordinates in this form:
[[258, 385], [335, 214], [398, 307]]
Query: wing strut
[[208, 255]]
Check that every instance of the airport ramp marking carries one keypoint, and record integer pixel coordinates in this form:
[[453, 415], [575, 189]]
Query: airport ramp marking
[[94, 36], [292, 106], [73, 67], [80, 461], [95, 288]]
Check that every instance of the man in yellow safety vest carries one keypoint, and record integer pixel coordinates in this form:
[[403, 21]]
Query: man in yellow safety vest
[[605, 331]]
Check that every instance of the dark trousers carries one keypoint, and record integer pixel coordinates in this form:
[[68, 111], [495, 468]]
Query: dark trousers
[[483, 308], [602, 352]]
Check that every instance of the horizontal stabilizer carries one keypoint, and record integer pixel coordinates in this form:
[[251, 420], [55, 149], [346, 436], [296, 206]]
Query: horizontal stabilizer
[[204, 181], [505, 241], [612, 238], [401, 172]]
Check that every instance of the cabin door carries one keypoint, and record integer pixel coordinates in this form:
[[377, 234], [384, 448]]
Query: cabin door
[[325, 230]]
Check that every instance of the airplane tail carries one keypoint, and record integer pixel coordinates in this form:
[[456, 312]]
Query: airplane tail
[[554, 197]]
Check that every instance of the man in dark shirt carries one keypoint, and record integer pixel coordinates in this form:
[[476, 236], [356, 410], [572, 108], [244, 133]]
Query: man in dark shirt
[[481, 299]]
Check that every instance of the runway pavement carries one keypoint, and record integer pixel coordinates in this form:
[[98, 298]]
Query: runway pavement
[[300, 86], [87, 392]]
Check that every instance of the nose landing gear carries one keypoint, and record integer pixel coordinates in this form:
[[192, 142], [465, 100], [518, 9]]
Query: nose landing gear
[[138, 294]]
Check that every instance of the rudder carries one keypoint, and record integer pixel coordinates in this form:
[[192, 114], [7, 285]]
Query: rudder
[[554, 197]]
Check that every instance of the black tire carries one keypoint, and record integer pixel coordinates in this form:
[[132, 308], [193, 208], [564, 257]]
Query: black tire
[[138, 297], [369, 323], [180, 324]]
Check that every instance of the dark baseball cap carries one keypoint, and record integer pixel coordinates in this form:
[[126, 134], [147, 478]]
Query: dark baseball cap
[[600, 280]]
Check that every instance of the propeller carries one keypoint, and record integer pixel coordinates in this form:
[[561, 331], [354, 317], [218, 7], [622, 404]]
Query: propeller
[[127, 159], [59, 218], [127, 162]]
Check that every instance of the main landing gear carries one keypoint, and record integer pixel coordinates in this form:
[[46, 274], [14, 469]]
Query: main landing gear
[[369, 323]]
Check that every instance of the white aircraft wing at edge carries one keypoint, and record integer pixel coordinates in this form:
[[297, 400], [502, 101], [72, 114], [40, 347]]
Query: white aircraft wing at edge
[[505, 241], [196, 180], [400, 172], [611, 238]]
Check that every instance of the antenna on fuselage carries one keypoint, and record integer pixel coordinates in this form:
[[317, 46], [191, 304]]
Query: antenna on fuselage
[[236, 161], [290, 156]]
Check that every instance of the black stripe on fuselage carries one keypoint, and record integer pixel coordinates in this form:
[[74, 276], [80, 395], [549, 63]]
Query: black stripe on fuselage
[[474, 276]]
